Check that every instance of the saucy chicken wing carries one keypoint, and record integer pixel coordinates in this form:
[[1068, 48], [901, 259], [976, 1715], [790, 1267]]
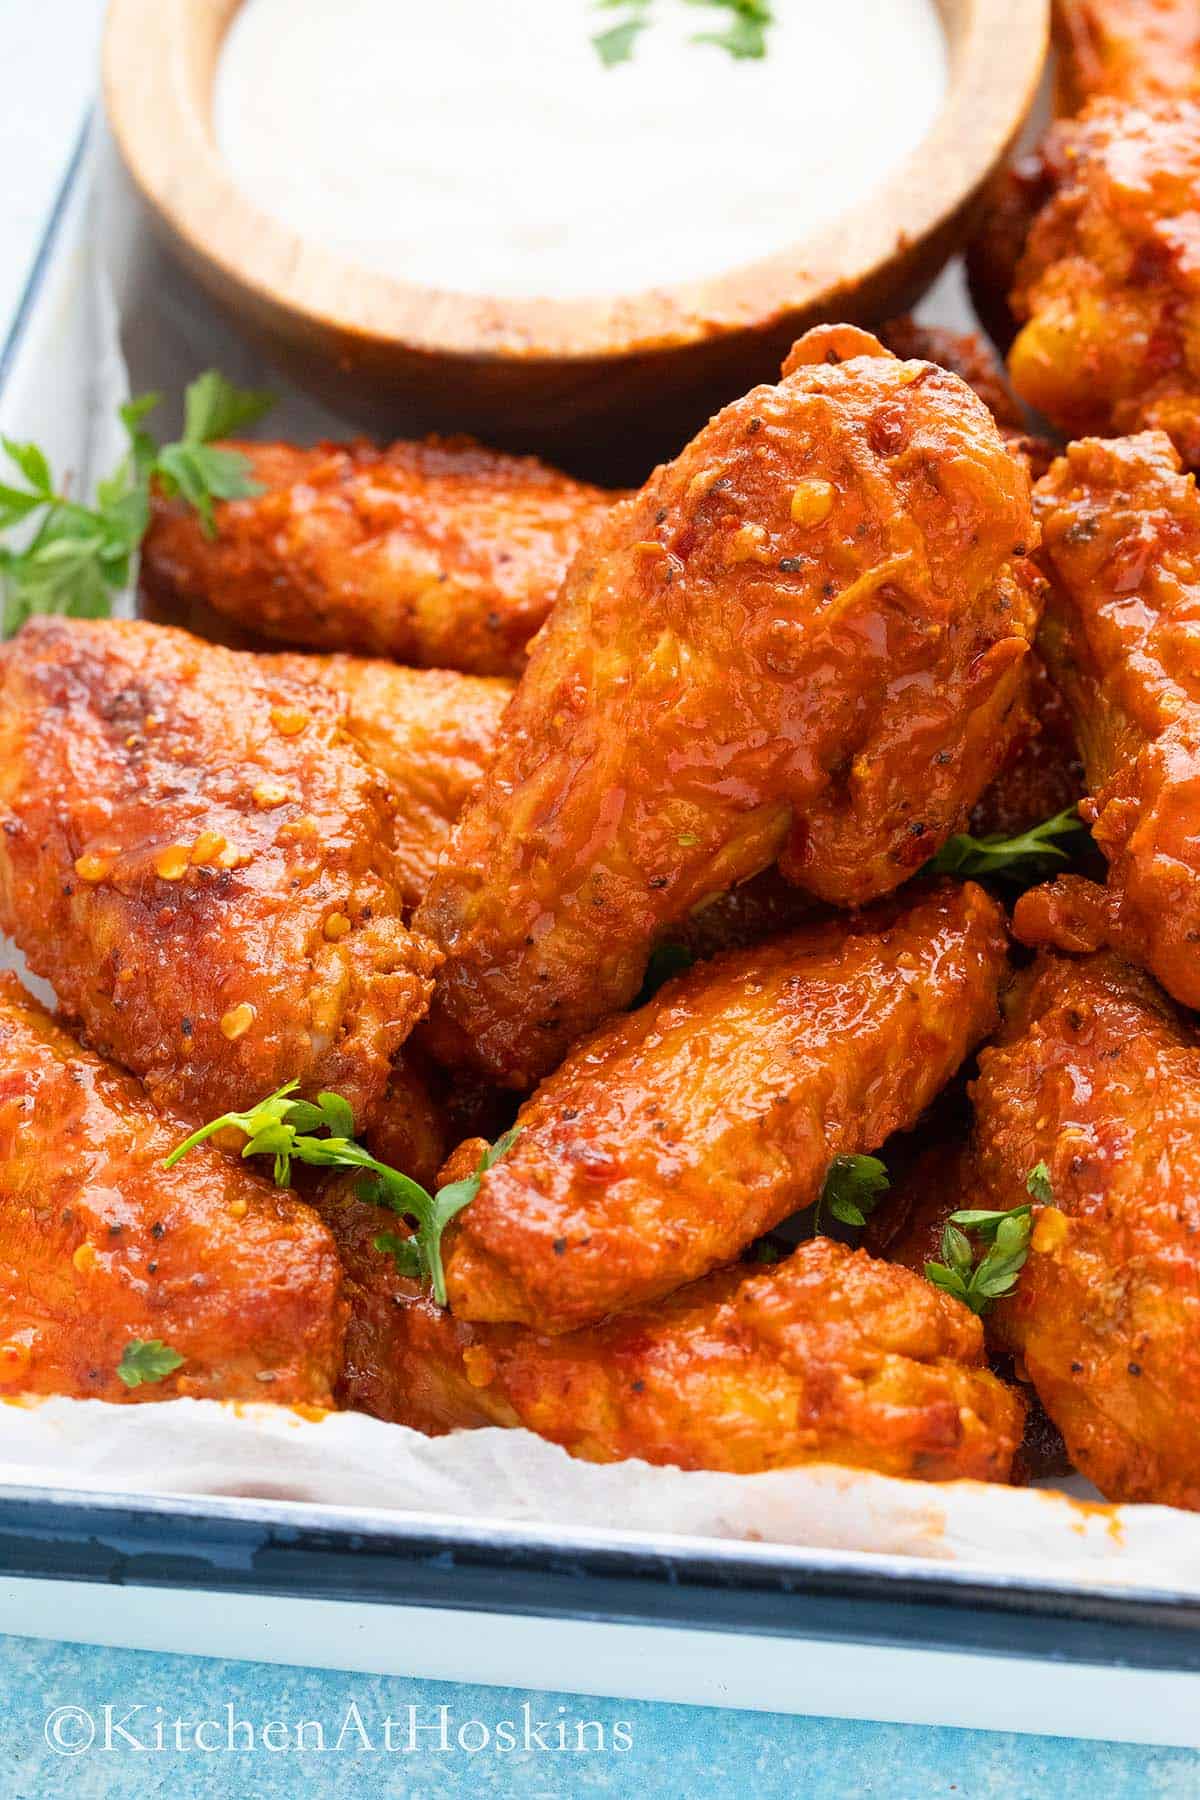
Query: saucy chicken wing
[[198, 859], [1124, 50], [1106, 291], [677, 1134], [441, 554], [829, 1357], [430, 731], [802, 640], [1121, 543], [1098, 1077], [100, 1246]]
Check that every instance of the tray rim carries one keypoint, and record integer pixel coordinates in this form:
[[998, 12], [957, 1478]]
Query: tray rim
[[314, 1550]]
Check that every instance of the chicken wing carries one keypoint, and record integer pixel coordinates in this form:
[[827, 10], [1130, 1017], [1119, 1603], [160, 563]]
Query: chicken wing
[[829, 1357], [441, 554], [101, 1246], [1097, 1076], [1041, 774], [1125, 50], [430, 731], [1121, 542], [675, 1135], [1106, 290], [801, 640], [198, 859]]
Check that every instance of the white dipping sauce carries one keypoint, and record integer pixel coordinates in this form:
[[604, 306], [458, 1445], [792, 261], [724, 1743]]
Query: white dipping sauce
[[481, 145]]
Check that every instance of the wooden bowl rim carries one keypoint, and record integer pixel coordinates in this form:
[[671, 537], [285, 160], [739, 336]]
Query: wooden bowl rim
[[159, 58]]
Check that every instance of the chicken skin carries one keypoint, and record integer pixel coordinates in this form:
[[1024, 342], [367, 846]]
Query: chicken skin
[[101, 1246], [1097, 1076], [801, 641], [829, 1357], [1125, 50], [431, 732], [1106, 289], [198, 859], [1121, 543], [1041, 774], [677, 1134], [445, 555]]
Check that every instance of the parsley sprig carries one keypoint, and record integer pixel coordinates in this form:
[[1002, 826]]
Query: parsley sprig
[[745, 36], [283, 1128], [854, 1186], [1022, 858], [77, 556], [1007, 1236], [147, 1360]]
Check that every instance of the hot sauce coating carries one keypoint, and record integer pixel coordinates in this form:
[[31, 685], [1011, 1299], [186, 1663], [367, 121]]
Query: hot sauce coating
[[431, 732], [1121, 542], [1106, 289], [446, 555], [828, 1357], [677, 1134], [1125, 50], [801, 640], [1097, 1076], [196, 856], [99, 1244]]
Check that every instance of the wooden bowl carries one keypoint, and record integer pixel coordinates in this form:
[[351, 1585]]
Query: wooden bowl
[[572, 379]]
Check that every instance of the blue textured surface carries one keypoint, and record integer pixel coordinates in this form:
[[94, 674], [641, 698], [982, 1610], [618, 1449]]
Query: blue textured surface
[[676, 1751]]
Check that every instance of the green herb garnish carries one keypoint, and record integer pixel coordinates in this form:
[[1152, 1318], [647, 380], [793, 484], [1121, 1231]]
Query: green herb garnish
[[978, 1284], [1022, 858], [80, 556], [282, 1128], [147, 1359], [745, 37], [854, 1186], [1037, 1183]]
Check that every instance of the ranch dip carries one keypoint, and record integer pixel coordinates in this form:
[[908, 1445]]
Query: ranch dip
[[483, 145]]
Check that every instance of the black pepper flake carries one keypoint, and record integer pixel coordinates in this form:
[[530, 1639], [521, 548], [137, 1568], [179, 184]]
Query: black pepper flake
[[638, 1387], [157, 1229], [68, 890], [152, 1268], [185, 1026], [658, 881], [116, 1230], [753, 426], [1076, 1368], [560, 1246], [1135, 1368], [660, 515], [790, 565], [569, 1112]]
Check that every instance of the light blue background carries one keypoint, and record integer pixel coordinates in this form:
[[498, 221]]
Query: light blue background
[[49, 62], [678, 1752]]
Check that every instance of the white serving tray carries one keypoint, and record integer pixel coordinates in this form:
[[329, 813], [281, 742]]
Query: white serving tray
[[524, 1602]]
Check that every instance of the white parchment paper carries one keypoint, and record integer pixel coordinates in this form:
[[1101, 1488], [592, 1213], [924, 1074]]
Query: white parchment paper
[[117, 318]]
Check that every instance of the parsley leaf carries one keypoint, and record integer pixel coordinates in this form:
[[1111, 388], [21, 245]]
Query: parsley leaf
[[1023, 858], [282, 1128], [978, 1284], [854, 1186], [1037, 1183], [744, 37], [76, 557], [147, 1359]]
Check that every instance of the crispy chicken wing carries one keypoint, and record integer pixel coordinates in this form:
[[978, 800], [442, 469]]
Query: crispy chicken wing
[[100, 1245], [1125, 50], [1041, 774], [441, 554], [430, 731], [829, 1357], [675, 1135], [1106, 291], [1121, 542], [1097, 1076], [802, 639], [197, 857]]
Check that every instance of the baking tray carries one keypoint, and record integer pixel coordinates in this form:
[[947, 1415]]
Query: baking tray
[[673, 1618]]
